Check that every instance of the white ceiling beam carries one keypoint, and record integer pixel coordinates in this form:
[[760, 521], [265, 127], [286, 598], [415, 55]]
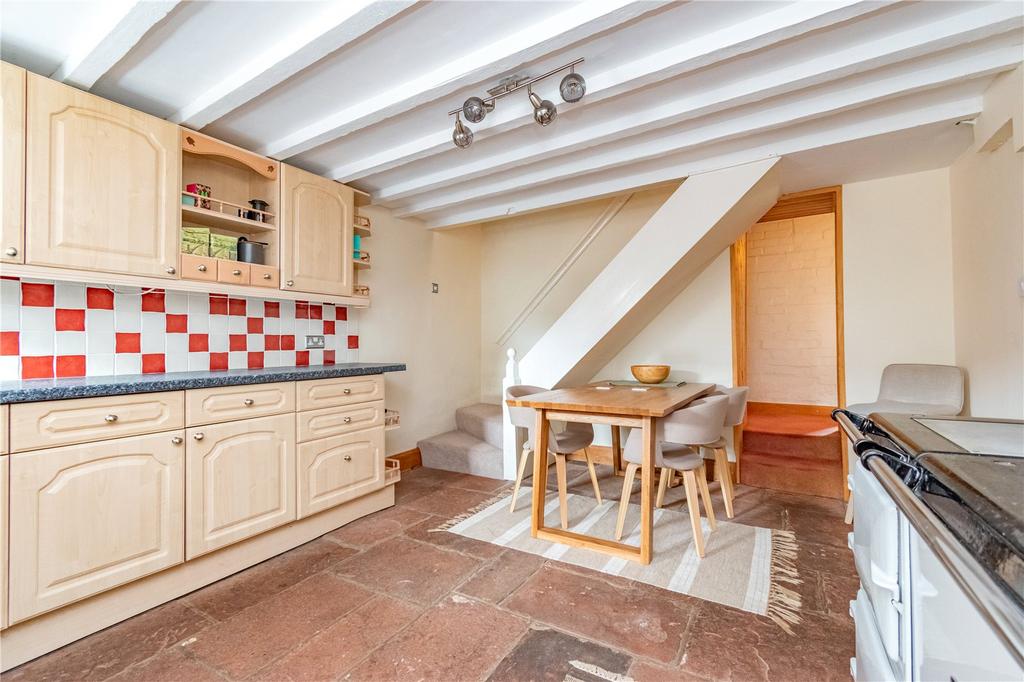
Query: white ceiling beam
[[578, 22], [841, 96], [778, 144], [788, 22], [123, 25], [342, 23], [980, 23]]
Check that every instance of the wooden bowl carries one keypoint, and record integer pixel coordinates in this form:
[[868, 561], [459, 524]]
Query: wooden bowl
[[650, 374]]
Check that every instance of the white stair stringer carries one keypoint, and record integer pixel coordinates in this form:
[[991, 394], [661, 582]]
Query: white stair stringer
[[706, 214]]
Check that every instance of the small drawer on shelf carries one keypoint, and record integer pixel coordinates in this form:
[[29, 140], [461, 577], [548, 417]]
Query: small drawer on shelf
[[320, 393], [227, 403], [264, 276], [64, 422], [331, 421], [198, 267], [232, 272]]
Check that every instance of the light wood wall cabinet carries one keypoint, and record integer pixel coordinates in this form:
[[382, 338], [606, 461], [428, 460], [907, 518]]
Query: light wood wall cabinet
[[316, 233], [102, 184], [87, 518], [12, 205]]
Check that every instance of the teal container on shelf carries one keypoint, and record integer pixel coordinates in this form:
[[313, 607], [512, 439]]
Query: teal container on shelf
[[356, 242]]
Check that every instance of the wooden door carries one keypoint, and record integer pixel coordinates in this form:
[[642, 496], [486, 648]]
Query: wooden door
[[12, 200], [316, 233], [86, 518], [102, 190], [338, 469], [241, 481]]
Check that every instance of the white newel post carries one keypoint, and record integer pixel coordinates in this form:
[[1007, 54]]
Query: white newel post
[[511, 440]]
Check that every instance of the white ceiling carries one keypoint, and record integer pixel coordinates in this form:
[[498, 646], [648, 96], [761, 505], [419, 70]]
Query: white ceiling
[[360, 90]]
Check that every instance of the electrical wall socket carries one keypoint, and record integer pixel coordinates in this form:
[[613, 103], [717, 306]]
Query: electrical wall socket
[[314, 341]]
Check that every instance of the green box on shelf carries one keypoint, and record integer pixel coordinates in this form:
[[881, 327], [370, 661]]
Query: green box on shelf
[[223, 246], [195, 240]]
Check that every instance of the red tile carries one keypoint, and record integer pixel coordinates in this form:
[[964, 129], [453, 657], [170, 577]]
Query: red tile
[[218, 361], [68, 320], [127, 343], [341, 313], [287, 342], [316, 312], [236, 306], [271, 309], [272, 342], [177, 324], [328, 357], [70, 365], [37, 367], [153, 302], [198, 343], [353, 341], [8, 277], [37, 295], [236, 341], [255, 325], [153, 363], [8, 343], [301, 310], [218, 305], [328, 327], [302, 358], [99, 299], [255, 360]]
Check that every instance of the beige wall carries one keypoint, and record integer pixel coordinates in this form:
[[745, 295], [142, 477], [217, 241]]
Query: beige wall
[[436, 335], [898, 279], [791, 311]]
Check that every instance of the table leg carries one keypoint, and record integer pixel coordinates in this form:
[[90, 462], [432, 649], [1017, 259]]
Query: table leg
[[540, 471], [647, 491], [617, 450]]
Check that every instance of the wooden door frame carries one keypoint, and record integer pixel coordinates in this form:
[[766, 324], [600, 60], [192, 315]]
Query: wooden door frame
[[795, 205]]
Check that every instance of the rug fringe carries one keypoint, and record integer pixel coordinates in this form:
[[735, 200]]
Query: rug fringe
[[784, 603], [503, 494]]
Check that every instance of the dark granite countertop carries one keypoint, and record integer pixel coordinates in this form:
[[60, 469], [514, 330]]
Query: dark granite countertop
[[34, 390]]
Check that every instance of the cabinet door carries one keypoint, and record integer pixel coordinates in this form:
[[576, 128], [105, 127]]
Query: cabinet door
[[4, 497], [86, 518], [241, 481], [316, 233], [12, 200], [102, 188], [338, 469]]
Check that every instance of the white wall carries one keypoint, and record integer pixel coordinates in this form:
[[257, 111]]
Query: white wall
[[897, 276], [436, 335]]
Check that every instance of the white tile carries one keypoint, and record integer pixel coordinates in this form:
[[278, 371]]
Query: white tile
[[198, 324], [36, 342], [10, 367], [101, 342], [37, 319], [198, 361], [198, 304], [127, 320], [287, 310], [68, 295], [175, 345], [127, 363], [287, 358], [10, 317], [99, 321], [218, 324], [329, 311], [130, 300], [10, 292], [237, 325], [154, 332], [272, 358], [218, 343], [70, 343], [238, 360], [271, 325], [176, 362], [254, 342], [316, 357], [176, 302], [99, 364]]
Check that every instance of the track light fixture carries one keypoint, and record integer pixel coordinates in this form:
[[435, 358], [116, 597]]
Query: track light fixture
[[572, 89]]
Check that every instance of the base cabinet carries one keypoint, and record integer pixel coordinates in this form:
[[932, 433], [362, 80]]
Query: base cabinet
[[5, 470], [241, 481], [338, 469], [86, 518]]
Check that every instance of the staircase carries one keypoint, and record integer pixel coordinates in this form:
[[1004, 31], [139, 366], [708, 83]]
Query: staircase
[[797, 453], [474, 447]]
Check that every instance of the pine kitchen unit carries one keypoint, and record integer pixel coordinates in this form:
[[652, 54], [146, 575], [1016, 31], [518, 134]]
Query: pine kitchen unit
[[146, 488]]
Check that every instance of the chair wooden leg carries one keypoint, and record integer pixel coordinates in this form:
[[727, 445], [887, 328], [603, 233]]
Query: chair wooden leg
[[563, 501], [849, 510], [702, 483], [627, 491], [523, 458], [725, 479], [666, 476], [593, 475], [690, 482]]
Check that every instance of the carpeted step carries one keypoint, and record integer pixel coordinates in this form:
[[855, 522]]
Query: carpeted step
[[791, 474], [482, 421], [462, 452]]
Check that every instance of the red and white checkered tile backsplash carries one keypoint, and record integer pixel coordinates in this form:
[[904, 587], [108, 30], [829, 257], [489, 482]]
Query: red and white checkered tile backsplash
[[60, 329]]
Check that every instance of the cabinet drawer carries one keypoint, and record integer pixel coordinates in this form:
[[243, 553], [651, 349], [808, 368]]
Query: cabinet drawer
[[198, 267], [338, 469], [264, 276], [313, 395], [62, 422], [333, 421], [232, 272], [225, 403]]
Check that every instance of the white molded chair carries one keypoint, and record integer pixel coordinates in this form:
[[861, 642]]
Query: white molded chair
[[929, 390], [734, 416], [698, 424], [561, 444]]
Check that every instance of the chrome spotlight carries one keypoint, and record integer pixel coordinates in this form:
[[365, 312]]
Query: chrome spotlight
[[573, 87], [461, 136], [474, 109], [544, 111]]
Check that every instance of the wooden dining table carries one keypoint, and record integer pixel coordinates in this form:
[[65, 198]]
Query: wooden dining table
[[616, 406]]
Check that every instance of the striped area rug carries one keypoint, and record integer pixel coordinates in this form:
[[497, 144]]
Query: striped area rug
[[745, 567]]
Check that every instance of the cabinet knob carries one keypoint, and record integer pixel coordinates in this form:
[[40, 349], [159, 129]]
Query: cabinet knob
[[10, 251], [289, 283], [176, 440], [236, 273], [266, 275], [201, 268], [348, 420], [110, 418], [198, 436], [348, 458], [248, 402], [171, 270], [347, 391]]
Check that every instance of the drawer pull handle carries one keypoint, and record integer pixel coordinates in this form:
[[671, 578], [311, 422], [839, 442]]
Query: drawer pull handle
[[11, 251], [110, 418], [289, 283], [347, 391], [249, 402], [266, 275], [176, 440], [348, 420], [348, 458], [236, 273], [201, 268], [171, 270], [198, 436]]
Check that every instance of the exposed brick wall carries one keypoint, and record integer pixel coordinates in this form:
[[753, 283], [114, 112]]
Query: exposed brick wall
[[791, 323]]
